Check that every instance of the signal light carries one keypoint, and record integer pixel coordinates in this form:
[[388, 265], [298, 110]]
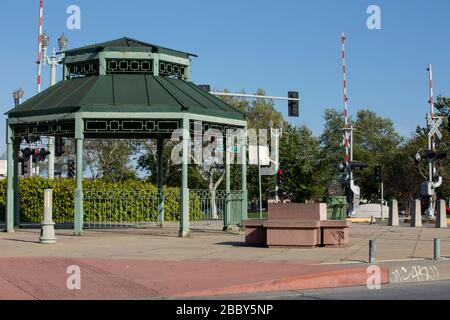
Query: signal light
[[71, 169], [280, 177], [378, 176], [27, 152], [293, 105], [59, 146], [43, 154], [25, 166]]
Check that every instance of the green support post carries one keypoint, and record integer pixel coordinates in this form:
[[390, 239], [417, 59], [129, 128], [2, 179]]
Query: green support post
[[184, 219], [79, 137], [16, 182], [10, 179], [244, 174], [227, 216], [160, 154]]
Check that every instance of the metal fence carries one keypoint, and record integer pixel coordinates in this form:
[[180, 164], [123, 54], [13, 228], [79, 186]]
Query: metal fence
[[120, 209], [209, 209], [138, 208]]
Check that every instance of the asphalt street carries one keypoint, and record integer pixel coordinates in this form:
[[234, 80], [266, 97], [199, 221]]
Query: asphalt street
[[439, 290]]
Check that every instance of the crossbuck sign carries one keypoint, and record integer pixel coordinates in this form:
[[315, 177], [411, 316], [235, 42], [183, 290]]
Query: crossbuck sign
[[434, 127]]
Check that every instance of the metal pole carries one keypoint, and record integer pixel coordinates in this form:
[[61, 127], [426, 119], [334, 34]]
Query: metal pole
[[259, 183], [160, 153], [242, 95], [372, 251], [243, 140], [277, 164], [431, 140], [437, 249], [382, 200], [51, 140]]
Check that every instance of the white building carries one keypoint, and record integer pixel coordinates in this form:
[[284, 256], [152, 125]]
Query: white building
[[2, 169]]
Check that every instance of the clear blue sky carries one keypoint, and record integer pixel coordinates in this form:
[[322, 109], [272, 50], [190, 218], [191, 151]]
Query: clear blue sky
[[275, 45]]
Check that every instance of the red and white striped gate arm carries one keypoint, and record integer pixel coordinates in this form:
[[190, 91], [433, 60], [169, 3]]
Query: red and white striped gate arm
[[431, 101], [39, 61], [344, 76]]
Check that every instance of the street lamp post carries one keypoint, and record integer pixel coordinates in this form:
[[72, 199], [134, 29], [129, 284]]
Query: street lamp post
[[53, 61], [18, 96]]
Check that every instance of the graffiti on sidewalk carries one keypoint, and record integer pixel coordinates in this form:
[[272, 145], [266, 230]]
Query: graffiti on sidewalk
[[414, 273]]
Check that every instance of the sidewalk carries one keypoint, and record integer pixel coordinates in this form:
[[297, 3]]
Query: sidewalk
[[155, 263]]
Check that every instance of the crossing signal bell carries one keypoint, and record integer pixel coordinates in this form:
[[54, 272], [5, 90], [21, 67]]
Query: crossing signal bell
[[294, 105]]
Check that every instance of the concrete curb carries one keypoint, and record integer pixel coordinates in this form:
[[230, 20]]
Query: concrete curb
[[419, 271], [332, 279]]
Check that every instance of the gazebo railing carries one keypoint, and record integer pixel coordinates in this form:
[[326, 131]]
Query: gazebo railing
[[209, 209], [119, 208], [139, 208]]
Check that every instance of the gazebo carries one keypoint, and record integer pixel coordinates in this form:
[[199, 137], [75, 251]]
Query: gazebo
[[125, 89]]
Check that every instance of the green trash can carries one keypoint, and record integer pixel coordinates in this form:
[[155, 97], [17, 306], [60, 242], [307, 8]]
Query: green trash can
[[337, 208]]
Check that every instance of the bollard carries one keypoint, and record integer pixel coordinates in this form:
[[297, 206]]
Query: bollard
[[441, 217], [48, 226], [416, 214], [372, 251], [393, 214], [437, 249]]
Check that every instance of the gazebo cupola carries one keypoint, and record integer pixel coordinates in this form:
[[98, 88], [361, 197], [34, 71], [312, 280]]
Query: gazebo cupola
[[126, 56], [124, 89]]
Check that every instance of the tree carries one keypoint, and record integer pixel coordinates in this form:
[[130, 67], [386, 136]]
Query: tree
[[375, 141], [299, 155], [331, 148], [109, 159]]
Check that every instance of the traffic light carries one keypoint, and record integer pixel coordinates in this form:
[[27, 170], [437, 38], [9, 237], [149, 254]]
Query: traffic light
[[59, 146], [25, 164], [280, 177], [294, 106], [378, 176], [27, 152], [71, 169], [42, 155]]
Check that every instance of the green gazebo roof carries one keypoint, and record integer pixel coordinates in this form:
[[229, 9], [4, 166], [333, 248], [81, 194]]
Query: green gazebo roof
[[125, 93], [127, 44]]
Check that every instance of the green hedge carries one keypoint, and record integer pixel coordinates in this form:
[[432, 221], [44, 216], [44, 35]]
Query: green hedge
[[103, 201]]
